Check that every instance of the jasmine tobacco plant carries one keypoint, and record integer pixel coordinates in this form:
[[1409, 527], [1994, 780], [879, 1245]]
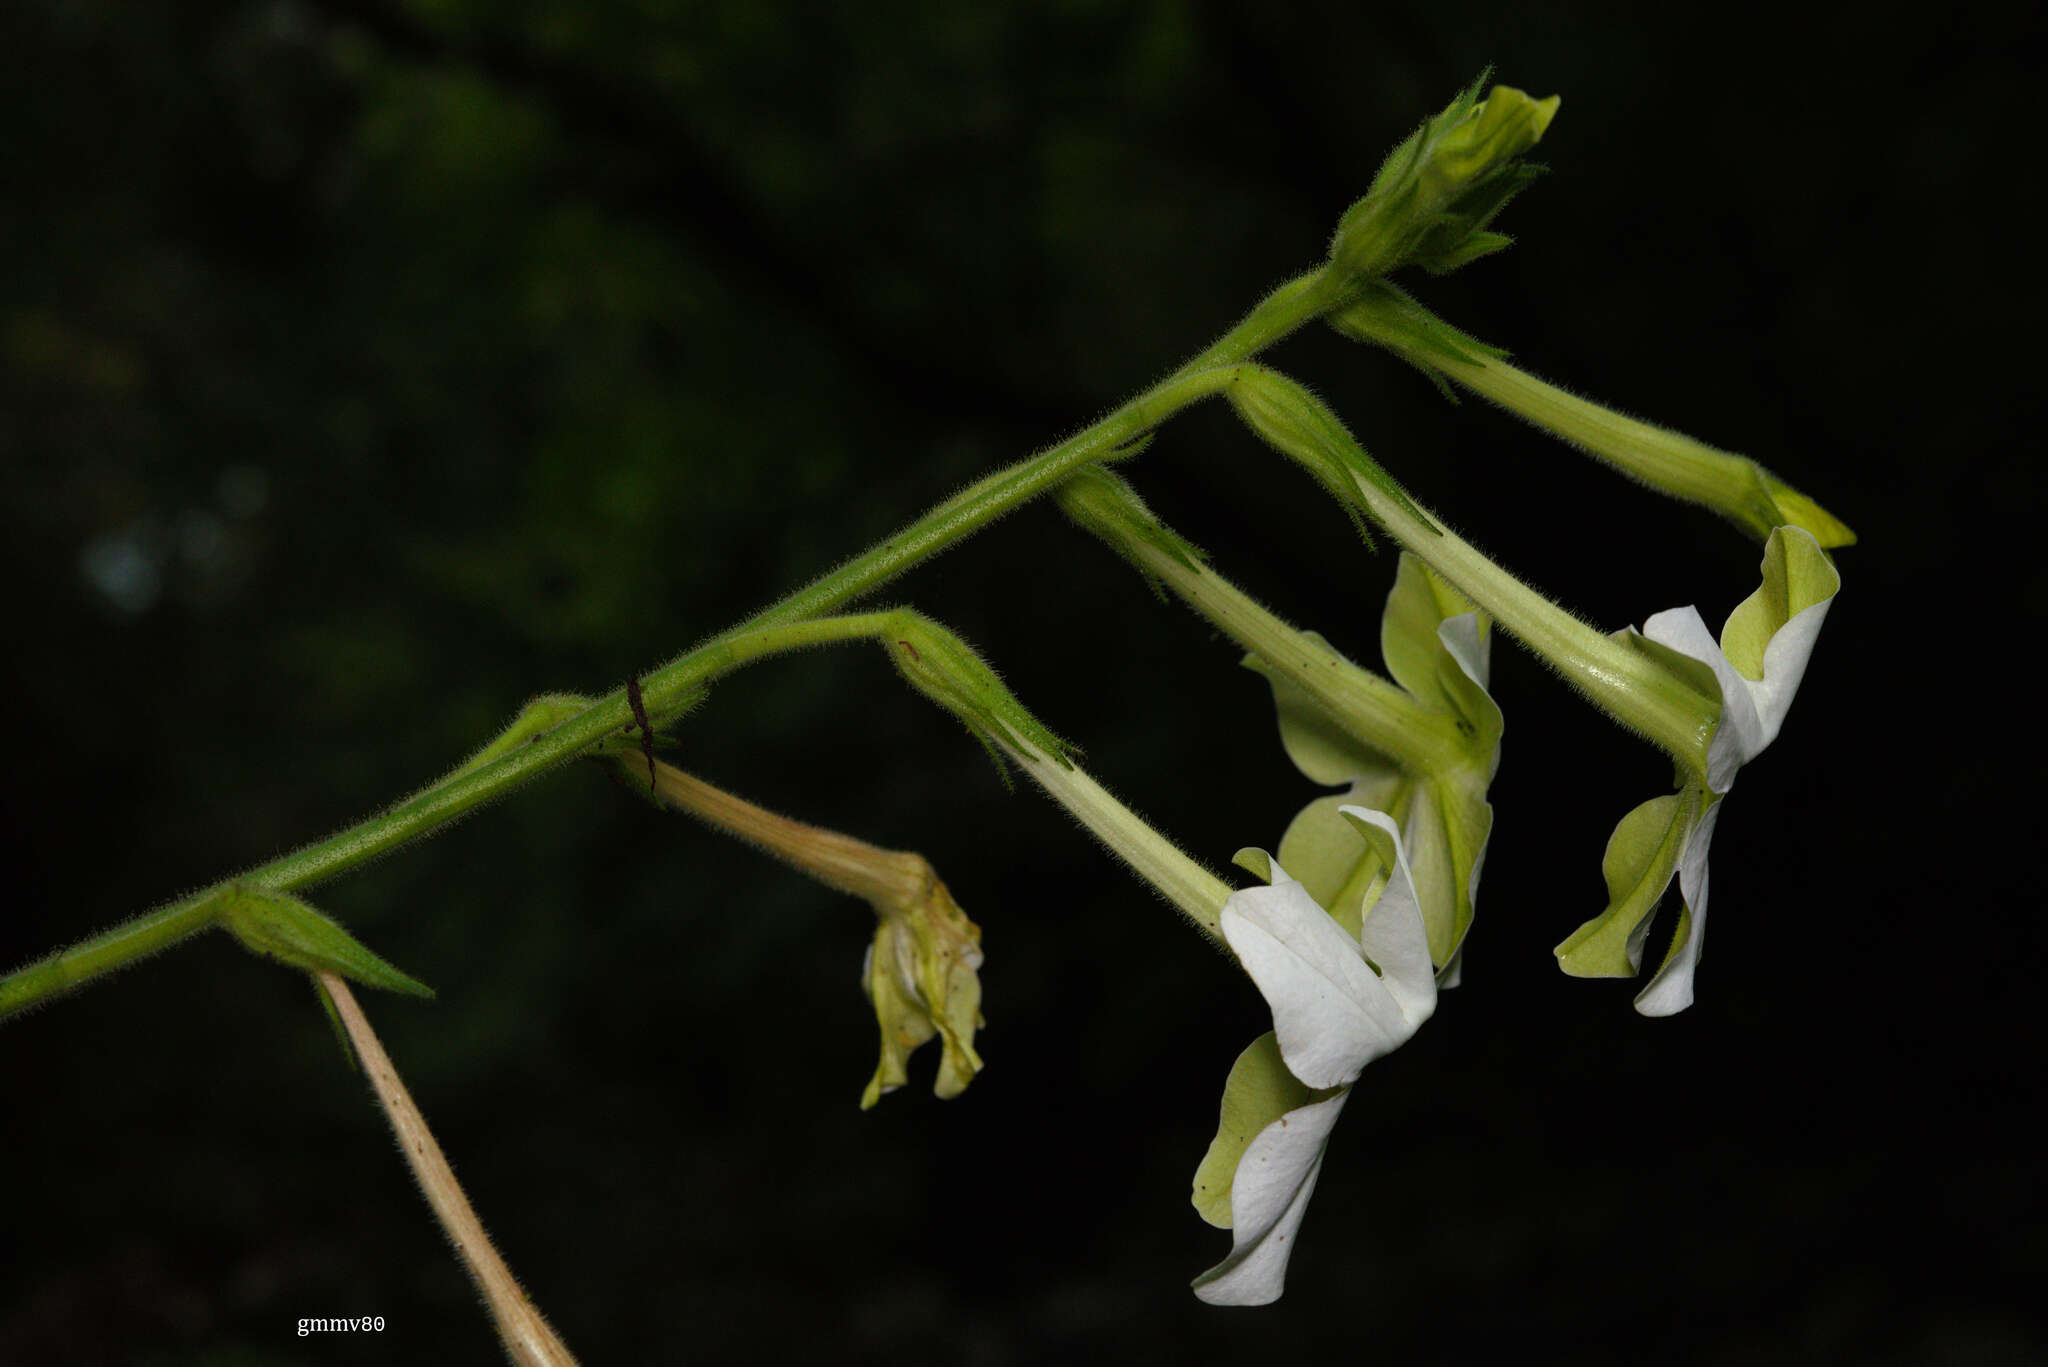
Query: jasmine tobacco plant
[[1369, 907]]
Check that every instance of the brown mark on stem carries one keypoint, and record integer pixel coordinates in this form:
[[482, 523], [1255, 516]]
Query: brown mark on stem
[[639, 707]]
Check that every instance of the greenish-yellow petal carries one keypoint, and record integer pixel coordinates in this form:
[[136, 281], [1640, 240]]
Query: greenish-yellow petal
[[1417, 605], [1642, 855], [1797, 575], [1317, 742], [1258, 1092]]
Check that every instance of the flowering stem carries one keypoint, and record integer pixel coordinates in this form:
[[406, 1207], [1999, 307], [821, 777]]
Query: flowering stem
[[1379, 712], [528, 1340], [1628, 685], [1301, 300], [929, 657], [1623, 683], [469, 787], [1289, 307], [102, 954], [893, 878], [519, 757]]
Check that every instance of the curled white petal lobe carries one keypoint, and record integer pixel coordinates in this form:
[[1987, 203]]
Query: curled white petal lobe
[[1739, 738], [1785, 617], [1393, 935], [1268, 1197], [1468, 645], [1330, 1010], [1784, 666], [1670, 989], [1332, 1015], [1756, 666]]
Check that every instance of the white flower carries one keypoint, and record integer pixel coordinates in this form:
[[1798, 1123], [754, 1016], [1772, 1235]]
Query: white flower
[[1338, 1003], [1430, 773], [1755, 669]]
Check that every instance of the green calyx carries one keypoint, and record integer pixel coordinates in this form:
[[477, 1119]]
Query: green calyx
[[945, 669], [1436, 193], [1301, 427], [1385, 315], [279, 926], [1106, 505]]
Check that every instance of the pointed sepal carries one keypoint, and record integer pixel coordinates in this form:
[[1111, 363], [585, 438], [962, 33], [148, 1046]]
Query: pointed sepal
[[334, 1022], [1641, 857], [1301, 427], [945, 669], [281, 927]]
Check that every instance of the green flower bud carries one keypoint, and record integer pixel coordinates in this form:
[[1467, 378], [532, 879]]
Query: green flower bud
[[1436, 193], [1301, 427]]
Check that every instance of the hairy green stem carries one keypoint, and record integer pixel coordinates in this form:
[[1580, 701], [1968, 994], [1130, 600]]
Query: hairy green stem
[[1379, 712], [102, 954], [667, 691], [1672, 463], [425, 811], [1621, 682], [1197, 893], [1285, 310], [1630, 686]]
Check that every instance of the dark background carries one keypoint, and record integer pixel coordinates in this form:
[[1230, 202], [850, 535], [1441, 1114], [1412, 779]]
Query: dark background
[[370, 367]]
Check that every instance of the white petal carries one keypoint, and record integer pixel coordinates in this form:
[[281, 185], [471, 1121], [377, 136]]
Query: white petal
[[1784, 666], [1670, 991], [1752, 710], [1740, 736], [1268, 1196], [1463, 642], [1331, 1012], [1394, 936]]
